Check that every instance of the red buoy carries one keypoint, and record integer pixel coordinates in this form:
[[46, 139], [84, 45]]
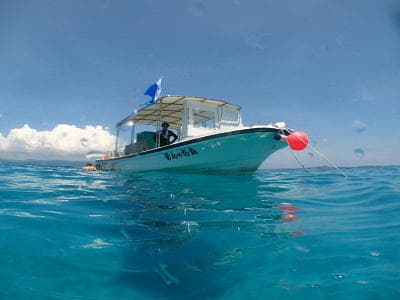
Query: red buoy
[[287, 207], [298, 140], [289, 217]]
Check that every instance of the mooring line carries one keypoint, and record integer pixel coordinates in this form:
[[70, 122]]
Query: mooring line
[[331, 163], [320, 154], [302, 165]]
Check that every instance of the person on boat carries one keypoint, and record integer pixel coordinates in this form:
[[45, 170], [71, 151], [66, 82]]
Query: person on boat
[[89, 167], [165, 135]]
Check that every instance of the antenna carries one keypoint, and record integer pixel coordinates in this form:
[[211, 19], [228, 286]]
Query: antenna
[[135, 100]]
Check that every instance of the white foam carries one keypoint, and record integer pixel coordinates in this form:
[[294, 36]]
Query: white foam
[[97, 244]]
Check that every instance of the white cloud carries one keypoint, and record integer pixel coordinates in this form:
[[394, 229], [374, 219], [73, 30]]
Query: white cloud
[[197, 8], [257, 41], [62, 142]]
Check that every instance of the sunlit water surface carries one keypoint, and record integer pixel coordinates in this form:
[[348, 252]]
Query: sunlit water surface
[[70, 234]]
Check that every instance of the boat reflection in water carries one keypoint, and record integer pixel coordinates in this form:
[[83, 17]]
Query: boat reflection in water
[[195, 236]]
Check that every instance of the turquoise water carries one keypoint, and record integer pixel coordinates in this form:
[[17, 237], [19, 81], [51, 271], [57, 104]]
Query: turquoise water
[[69, 234]]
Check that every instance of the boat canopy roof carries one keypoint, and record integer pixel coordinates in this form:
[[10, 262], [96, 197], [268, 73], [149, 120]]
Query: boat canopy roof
[[168, 109]]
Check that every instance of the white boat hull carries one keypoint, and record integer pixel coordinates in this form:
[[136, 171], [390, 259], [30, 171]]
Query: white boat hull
[[237, 151]]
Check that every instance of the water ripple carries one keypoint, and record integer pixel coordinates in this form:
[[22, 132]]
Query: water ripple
[[163, 235]]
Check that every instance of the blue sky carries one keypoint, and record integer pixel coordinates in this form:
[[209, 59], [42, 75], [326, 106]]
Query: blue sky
[[330, 68]]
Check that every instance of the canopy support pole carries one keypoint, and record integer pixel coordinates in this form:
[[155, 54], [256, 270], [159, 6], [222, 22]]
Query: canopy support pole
[[116, 143], [159, 124]]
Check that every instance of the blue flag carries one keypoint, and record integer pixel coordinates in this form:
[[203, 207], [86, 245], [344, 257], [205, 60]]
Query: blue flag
[[154, 92]]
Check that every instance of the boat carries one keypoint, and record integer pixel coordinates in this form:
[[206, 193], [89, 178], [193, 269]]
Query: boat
[[211, 138]]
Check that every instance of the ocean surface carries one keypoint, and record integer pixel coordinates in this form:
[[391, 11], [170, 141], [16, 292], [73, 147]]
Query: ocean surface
[[276, 234]]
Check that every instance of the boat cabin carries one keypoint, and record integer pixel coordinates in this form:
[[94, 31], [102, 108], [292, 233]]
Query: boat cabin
[[188, 117]]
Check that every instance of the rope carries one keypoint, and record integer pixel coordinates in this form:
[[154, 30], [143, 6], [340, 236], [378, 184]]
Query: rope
[[331, 163], [297, 159], [320, 154]]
